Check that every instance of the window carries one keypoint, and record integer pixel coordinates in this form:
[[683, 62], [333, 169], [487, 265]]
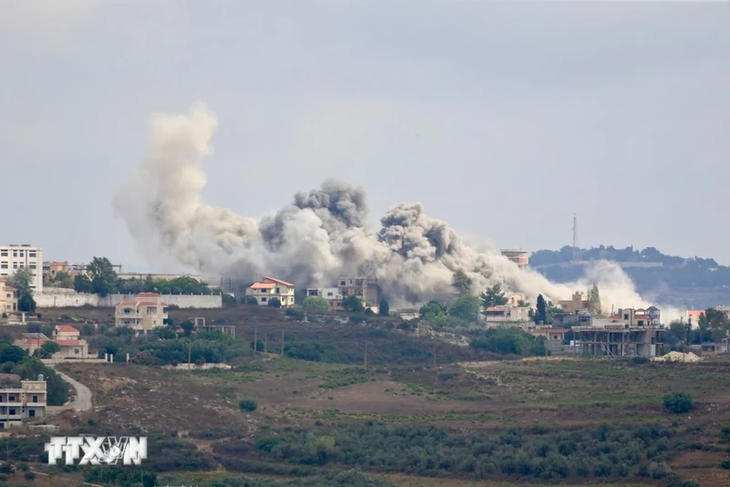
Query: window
[[31, 413], [35, 398], [15, 253], [3, 253], [343, 283], [15, 265], [32, 266], [31, 253], [127, 311], [21, 253], [151, 310], [263, 300], [76, 351], [11, 398], [626, 317], [12, 411], [278, 291], [329, 293], [4, 265]]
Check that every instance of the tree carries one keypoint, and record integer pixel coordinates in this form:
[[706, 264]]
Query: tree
[[317, 304], [103, 276], [274, 303], [493, 296], [594, 300], [353, 304], [541, 310], [384, 308], [48, 349], [187, 327], [22, 281], [63, 279], [432, 309], [82, 284], [462, 282], [465, 307], [679, 403]]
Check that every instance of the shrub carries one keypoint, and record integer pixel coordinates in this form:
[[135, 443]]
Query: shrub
[[725, 464], [250, 300], [678, 403], [274, 303], [639, 360], [248, 405], [29, 475], [314, 303]]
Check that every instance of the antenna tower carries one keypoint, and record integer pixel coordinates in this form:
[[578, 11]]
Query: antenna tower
[[575, 236]]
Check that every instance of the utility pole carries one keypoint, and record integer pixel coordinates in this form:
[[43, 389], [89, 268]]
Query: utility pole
[[282, 342], [266, 343], [256, 338], [434, 353], [190, 353], [365, 358]]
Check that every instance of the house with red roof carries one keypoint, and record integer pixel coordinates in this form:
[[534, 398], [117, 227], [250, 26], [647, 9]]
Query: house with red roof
[[67, 337], [144, 313], [270, 288]]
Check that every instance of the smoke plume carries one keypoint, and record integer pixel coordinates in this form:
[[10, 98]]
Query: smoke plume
[[322, 235]]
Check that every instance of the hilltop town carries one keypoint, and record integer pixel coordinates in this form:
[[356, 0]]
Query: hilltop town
[[89, 348]]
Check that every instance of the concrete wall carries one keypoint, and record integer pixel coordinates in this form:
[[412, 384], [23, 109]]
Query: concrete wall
[[73, 300]]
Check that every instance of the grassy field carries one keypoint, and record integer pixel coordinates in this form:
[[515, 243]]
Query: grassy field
[[467, 420]]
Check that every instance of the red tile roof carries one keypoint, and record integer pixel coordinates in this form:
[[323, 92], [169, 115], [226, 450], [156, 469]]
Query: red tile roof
[[286, 283], [34, 341], [68, 343], [66, 329], [262, 285]]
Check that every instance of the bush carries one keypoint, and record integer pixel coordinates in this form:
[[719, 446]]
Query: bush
[[29, 475], [248, 405], [679, 403], [314, 303], [251, 301], [639, 360], [274, 303]]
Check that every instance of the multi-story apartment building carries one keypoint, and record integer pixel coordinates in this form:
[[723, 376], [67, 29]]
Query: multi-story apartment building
[[272, 288], [146, 312], [362, 287], [22, 400], [8, 298], [331, 294], [14, 257]]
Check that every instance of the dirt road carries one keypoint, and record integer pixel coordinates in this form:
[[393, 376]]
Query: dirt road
[[83, 394]]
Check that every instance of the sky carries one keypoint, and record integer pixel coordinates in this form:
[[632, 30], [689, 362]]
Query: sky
[[502, 118]]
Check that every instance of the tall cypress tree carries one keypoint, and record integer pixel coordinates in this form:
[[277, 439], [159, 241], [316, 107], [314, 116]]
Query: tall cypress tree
[[541, 310]]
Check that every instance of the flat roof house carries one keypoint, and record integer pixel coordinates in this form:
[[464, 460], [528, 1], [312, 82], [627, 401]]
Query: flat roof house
[[21, 400]]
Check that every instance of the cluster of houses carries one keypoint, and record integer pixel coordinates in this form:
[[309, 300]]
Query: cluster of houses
[[270, 288]]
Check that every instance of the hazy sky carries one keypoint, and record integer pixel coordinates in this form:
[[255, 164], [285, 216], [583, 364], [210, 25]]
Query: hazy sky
[[502, 118]]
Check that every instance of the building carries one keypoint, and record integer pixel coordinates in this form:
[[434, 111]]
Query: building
[[21, 400], [628, 333], [408, 314], [8, 298], [520, 257], [516, 300], [331, 294], [67, 337], [504, 314], [14, 257], [52, 269], [365, 288], [631, 317], [31, 342], [581, 318], [549, 333], [272, 288], [156, 277], [71, 343], [146, 312], [578, 302]]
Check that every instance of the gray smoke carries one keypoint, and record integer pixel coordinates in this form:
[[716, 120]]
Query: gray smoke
[[320, 236]]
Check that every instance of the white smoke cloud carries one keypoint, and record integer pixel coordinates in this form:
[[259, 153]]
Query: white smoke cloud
[[322, 235]]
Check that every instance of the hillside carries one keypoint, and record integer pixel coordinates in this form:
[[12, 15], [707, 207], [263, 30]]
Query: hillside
[[688, 282]]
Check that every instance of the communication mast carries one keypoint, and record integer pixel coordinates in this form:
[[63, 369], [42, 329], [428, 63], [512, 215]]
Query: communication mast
[[575, 237]]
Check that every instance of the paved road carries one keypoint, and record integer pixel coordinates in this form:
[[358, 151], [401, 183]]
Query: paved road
[[83, 394]]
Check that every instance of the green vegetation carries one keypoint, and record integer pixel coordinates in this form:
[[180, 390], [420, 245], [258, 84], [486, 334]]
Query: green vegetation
[[21, 280], [465, 307], [274, 303], [48, 349], [679, 403], [248, 405], [461, 282], [509, 341], [103, 280], [493, 296], [316, 304], [353, 304]]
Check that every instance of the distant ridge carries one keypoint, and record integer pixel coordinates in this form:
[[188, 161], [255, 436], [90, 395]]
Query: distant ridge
[[693, 282]]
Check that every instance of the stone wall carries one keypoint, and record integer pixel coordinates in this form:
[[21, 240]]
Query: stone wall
[[65, 299]]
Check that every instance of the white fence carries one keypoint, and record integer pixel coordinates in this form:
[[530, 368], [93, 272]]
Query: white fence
[[65, 299]]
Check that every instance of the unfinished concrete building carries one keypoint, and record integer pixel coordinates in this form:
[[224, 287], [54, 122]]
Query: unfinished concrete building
[[618, 340]]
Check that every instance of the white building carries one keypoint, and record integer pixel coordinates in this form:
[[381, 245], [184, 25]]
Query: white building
[[14, 257], [502, 315], [331, 294], [22, 400], [145, 313], [272, 288]]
